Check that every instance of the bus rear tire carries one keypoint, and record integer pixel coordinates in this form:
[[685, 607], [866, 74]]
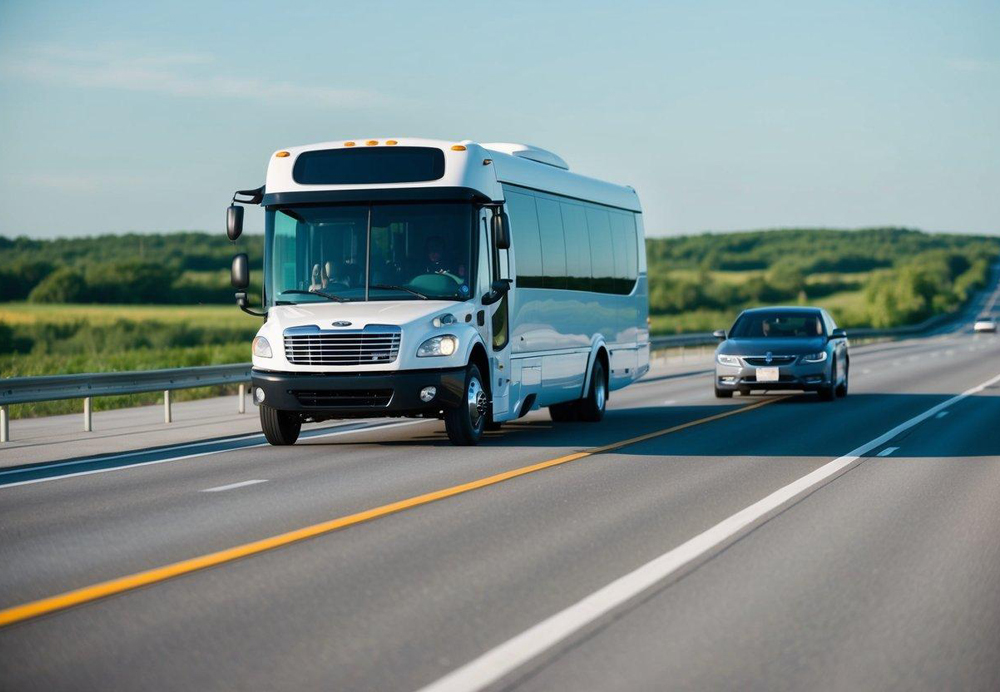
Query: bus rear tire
[[465, 423], [280, 428], [593, 405]]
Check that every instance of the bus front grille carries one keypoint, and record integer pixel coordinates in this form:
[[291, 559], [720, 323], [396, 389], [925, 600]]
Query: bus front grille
[[347, 398], [359, 348]]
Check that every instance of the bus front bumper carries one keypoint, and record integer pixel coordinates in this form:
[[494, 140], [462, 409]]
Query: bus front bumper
[[358, 395]]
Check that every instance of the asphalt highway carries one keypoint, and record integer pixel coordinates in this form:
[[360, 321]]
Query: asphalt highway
[[764, 542]]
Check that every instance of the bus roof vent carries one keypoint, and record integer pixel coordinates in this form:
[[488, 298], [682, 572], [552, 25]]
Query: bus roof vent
[[526, 151]]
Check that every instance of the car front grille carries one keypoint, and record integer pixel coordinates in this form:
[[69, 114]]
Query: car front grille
[[346, 398], [341, 348], [761, 361]]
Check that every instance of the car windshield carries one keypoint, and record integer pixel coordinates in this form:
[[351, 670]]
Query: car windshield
[[767, 325], [368, 252]]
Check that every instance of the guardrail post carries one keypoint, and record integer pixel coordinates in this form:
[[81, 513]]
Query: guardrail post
[[87, 418], [243, 398], [4, 425], [166, 406]]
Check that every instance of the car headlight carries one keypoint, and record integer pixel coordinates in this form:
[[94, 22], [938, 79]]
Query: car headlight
[[732, 361], [261, 348], [814, 357], [443, 345]]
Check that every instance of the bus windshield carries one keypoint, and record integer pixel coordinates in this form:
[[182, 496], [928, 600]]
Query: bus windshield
[[368, 252]]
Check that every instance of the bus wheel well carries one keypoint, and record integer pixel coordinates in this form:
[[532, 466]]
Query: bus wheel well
[[602, 355], [479, 358]]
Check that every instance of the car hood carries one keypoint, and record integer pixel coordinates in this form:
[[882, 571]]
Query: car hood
[[778, 347], [362, 314]]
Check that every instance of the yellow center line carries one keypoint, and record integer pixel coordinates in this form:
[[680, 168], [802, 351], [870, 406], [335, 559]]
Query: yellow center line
[[93, 592]]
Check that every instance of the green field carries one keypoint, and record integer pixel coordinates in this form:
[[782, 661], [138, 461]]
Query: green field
[[46, 339]]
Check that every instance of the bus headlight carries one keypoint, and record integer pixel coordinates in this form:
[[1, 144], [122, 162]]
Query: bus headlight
[[261, 348], [444, 345], [732, 361]]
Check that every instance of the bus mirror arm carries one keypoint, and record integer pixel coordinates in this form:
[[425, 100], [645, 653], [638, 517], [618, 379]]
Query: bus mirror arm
[[241, 301], [498, 289]]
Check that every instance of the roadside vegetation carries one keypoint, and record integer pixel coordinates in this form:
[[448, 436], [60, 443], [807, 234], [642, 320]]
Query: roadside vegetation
[[881, 277], [139, 302]]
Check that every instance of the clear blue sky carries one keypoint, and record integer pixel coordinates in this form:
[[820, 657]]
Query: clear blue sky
[[119, 116]]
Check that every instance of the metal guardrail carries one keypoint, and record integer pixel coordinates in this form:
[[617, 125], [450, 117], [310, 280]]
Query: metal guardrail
[[22, 390]]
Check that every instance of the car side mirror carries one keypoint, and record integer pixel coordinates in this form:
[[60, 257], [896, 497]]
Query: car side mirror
[[501, 229], [234, 221], [838, 334], [239, 275], [498, 289], [719, 334]]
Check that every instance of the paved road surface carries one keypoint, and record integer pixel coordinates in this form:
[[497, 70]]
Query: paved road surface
[[882, 575]]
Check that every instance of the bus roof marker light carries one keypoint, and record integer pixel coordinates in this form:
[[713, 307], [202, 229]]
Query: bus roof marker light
[[390, 142], [457, 147], [371, 142], [281, 154], [348, 144]]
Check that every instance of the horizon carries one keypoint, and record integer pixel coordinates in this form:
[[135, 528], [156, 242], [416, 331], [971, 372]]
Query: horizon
[[724, 119]]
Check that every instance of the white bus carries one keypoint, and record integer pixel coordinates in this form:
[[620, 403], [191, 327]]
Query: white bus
[[422, 278]]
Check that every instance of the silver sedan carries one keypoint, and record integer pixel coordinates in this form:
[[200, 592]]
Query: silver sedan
[[783, 348]]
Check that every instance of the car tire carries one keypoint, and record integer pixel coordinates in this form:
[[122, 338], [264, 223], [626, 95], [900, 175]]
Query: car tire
[[565, 413], [593, 405], [465, 423], [829, 392], [724, 393], [281, 428], [842, 387]]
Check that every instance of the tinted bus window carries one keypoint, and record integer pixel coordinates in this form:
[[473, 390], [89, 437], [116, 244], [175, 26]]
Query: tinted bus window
[[367, 166], [553, 245], [527, 245], [577, 246], [602, 251], [626, 260]]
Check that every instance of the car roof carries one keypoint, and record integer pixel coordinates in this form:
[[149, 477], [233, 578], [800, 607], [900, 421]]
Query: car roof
[[784, 308]]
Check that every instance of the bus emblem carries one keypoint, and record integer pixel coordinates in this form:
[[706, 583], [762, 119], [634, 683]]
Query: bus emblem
[[341, 323]]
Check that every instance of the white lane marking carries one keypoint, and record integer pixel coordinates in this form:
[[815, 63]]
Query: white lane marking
[[514, 653], [942, 414], [865, 371], [205, 454], [233, 486], [887, 451], [949, 352]]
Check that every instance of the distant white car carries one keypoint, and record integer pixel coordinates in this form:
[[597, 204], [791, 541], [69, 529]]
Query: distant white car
[[985, 324]]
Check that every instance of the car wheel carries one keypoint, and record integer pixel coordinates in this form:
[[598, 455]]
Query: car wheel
[[465, 423], [829, 392], [842, 387], [723, 393], [592, 406], [280, 427]]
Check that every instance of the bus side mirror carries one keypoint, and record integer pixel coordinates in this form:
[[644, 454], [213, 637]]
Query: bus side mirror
[[240, 273], [501, 229], [234, 221]]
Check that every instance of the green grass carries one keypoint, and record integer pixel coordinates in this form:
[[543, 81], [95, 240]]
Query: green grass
[[66, 339], [23, 313]]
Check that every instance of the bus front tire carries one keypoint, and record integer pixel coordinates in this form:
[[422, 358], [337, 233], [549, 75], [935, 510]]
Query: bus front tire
[[592, 406], [280, 427], [465, 423], [565, 413]]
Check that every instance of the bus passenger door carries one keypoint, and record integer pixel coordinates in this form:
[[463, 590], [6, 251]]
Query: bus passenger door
[[496, 330]]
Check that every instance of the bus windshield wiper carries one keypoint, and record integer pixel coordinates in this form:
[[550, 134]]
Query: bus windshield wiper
[[391, 287], [324, 294]]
